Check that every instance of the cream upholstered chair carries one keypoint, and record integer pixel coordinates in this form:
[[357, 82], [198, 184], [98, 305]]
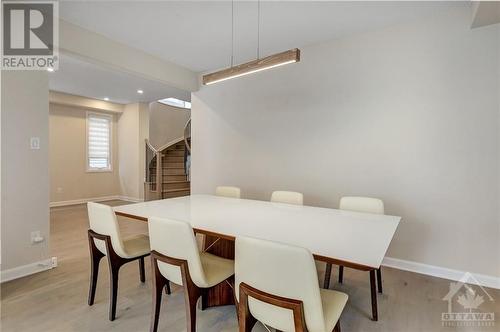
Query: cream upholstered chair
[[289, 197], [277, 284], [105, 240], [362, 204], [175, 257], [358, 204], [224, 191]]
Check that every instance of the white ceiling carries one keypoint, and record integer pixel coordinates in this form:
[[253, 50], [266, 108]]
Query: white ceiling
[[197, 35], [89, 80]]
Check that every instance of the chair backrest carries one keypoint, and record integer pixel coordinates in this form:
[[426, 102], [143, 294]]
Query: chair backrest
[[223, 191], [176, 239], [362, 204], [289, 197], [280, 270], [102, 220]]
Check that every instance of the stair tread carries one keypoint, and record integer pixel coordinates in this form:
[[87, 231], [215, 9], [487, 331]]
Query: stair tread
[[175, 190], [180, 181]]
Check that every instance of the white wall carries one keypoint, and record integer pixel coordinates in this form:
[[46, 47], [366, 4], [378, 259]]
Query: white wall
[[133, 129], [166, 123], [69, 178], [25, 174], [409, 114]]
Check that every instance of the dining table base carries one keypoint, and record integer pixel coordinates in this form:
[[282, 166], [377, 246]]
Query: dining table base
[[373, 291], [221, 294]]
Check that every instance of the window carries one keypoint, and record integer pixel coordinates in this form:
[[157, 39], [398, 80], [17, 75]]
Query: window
[[175, 102], [98, 142]]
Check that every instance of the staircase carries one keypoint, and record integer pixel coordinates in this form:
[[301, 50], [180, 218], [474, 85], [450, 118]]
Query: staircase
[[169, 178], [174, 179]]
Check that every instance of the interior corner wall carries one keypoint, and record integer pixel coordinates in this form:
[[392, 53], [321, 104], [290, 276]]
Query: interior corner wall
[[498, 146], [133, 129], [143, 135], [25, 173], [166, 123], [409, 114]]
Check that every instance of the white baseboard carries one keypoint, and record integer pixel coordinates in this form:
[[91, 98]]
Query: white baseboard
[[83, 201], [131, 199], [95, 199], [440, 272], [26, 270]]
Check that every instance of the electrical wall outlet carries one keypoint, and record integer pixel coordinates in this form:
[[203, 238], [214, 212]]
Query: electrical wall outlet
[[36, 237], [59, 190], [35, 143]]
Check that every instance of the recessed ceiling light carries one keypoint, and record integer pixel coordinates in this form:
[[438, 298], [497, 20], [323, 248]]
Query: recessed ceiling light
[[140, 92], [50, 70], [106, 98]]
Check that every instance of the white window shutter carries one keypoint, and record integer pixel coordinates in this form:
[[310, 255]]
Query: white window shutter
[[99, 141]]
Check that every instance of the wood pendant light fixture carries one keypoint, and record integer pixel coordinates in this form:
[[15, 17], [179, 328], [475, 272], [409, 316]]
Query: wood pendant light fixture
[[254, 66]]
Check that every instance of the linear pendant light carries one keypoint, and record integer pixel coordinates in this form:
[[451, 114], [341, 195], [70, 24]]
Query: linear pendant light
[[254, 66]]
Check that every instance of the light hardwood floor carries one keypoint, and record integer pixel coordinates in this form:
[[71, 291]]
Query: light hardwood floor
[[56, 300]]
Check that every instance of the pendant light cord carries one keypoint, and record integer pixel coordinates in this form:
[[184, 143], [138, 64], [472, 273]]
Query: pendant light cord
[[258, 29], [232, 33]]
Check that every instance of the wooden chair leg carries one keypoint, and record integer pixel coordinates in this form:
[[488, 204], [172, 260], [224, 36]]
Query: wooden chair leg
[[341, 274], [158, 285], [337, 327], [246, 320], [95, 258], [114, 264], [191, 300], [204, 299], [328, 274], [191, 292], [379, 280], [113, 294], [142, 272], [191, 295]]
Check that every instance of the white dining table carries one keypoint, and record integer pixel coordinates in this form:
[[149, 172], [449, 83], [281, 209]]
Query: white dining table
[[351, 239]]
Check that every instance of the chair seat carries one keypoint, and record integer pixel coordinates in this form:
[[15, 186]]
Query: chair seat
[[136, 245], [333, 303], [217, 269]]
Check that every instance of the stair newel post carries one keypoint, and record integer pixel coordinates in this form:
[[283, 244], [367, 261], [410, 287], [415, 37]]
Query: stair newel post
[[187, 149], [159, 175]]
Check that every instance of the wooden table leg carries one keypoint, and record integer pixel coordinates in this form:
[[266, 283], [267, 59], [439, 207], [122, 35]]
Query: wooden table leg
[[373, 290], [221, 294], [379, 280]]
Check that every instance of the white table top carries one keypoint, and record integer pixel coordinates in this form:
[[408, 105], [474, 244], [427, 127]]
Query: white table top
[[358, 238]]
